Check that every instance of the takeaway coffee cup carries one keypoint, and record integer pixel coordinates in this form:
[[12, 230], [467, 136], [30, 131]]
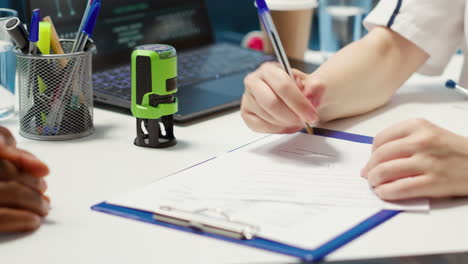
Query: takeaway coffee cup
[[293, 20]]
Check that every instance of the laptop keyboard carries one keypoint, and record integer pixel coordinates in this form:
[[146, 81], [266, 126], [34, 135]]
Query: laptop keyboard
[[208, 63], [215, 62], [116, 82]]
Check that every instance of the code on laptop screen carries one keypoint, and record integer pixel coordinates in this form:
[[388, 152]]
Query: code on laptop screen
[[124, 24]]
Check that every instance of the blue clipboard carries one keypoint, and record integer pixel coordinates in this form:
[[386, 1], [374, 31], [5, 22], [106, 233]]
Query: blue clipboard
[[305, 255]]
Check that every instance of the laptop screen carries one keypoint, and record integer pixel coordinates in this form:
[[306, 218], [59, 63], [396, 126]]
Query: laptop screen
[[124, 24]]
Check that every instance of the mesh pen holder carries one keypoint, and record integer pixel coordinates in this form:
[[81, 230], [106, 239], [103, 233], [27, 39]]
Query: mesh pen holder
[[55, 95]]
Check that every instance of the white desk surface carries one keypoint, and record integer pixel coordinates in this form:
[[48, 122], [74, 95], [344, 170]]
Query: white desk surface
[[94, 169]]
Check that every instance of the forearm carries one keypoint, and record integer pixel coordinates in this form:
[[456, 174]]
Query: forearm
[[364, 75]]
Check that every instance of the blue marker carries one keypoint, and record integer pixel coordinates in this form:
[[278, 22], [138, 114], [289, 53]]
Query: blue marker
[[453, 85], [270, 28], [34, 31], [88, 27], [83, 21]]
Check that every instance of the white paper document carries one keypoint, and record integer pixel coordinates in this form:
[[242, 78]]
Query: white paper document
[[298, 189]]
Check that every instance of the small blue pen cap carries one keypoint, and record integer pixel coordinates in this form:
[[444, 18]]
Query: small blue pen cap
[[92, 18], [34, 28], [451, 84], [262, 6]]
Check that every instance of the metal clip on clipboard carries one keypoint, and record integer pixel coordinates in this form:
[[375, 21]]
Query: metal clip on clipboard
[[199, 221]]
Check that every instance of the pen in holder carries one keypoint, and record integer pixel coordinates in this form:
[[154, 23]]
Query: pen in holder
[[55, 98]]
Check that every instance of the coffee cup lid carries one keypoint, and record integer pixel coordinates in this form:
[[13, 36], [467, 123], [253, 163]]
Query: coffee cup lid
[[291, 4]]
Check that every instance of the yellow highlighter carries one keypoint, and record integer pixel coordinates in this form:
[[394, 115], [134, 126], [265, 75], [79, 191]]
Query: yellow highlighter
[[44, 46], [45, 29], [55, 42]]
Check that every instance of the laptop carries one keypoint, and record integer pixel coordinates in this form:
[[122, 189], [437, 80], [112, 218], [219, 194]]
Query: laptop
[[210, 77]]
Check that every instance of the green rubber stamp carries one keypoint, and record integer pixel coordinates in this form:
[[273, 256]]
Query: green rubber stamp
[[154, 101]]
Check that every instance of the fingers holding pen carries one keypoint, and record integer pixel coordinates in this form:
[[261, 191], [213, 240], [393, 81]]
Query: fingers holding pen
[[274, 102], [258, 120], [299, 77], [270, 105], [286, 89]]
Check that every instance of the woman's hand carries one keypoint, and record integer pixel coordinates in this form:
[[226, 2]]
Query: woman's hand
[[418, 159], [22, 200], [275, 103]]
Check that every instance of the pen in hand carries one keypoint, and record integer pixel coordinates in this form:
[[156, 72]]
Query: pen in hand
[[270, 28]]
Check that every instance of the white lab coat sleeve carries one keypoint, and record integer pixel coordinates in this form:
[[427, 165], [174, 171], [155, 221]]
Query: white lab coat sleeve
[[436, 26]]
